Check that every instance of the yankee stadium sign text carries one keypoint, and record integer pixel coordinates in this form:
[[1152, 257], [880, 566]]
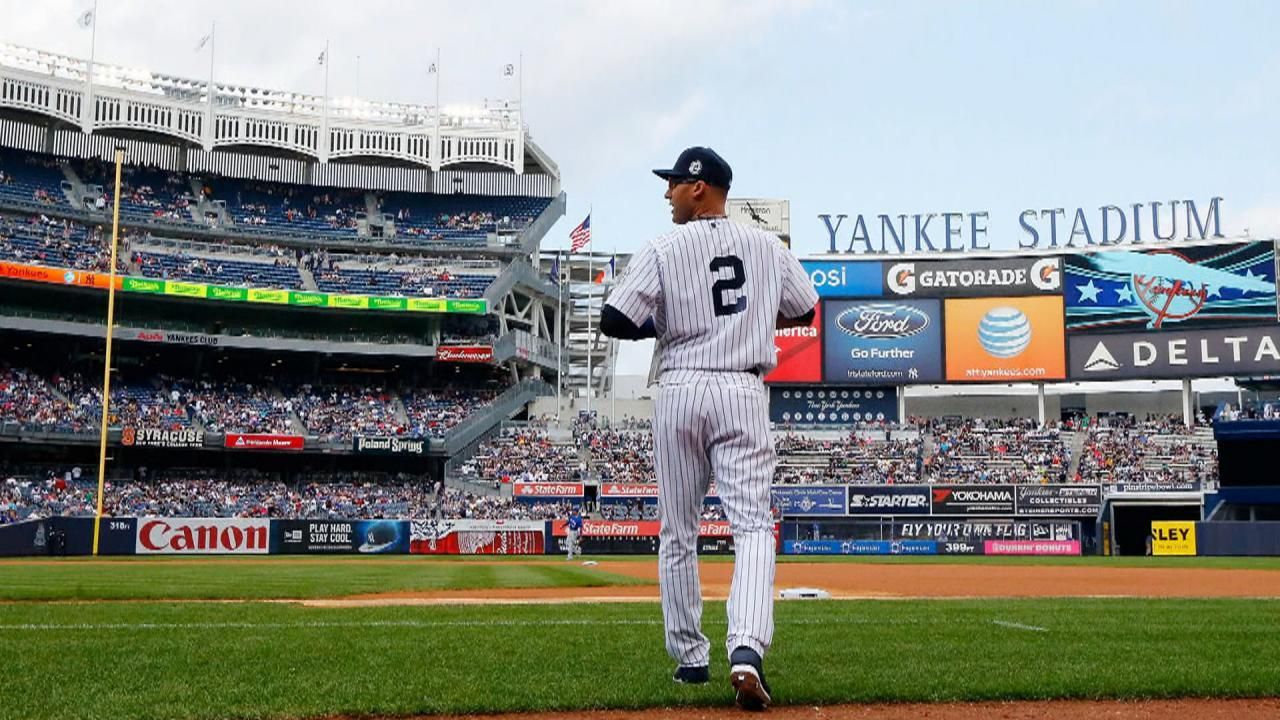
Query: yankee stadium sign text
[[1048, 228]]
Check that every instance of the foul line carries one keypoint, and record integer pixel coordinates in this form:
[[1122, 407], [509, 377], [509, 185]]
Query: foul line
[[1019, 626], [323, 624]]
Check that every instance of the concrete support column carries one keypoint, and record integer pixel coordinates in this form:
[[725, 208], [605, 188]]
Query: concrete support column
[[1040, 402], [1188, 408], [902, 404]]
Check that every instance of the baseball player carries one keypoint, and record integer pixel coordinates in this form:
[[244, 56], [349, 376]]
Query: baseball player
[[712, 292], [573, 530]]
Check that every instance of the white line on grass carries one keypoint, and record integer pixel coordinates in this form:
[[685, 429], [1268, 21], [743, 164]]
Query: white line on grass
[[1019, 626], [322, 624]]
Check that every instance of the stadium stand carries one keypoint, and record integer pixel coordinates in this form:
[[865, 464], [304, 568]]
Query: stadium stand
[[30, 178], [40, 240], [1159, 450]]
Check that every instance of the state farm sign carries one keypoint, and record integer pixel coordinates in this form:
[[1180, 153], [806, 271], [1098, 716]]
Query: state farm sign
[[203, 536], [549, 489], [465, 353]]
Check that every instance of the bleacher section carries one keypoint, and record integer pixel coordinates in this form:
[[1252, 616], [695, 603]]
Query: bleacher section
[[55, 243], [290, 209], [463, 219], [30, 178], [221, 270]]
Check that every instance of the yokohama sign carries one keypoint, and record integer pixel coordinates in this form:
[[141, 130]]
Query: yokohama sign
[[203, 536], [464, 353]]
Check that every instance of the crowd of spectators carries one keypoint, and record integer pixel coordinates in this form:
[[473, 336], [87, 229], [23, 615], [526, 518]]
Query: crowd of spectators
[[1123, 449], [339, 412], [977, 450], [524, 455]]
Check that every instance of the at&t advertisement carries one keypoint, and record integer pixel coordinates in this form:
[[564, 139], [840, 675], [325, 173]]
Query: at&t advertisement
[[1005, 339]]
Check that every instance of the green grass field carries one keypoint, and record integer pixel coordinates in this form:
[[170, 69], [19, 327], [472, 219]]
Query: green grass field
[[155, 659]]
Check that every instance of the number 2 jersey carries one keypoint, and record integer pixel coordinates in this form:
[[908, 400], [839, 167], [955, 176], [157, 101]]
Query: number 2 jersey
[[714, 289]]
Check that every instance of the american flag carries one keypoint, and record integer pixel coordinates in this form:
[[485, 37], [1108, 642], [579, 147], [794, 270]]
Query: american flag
[[581, 235]]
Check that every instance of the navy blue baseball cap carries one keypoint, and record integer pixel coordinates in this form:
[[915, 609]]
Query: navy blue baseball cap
[[700, 163]]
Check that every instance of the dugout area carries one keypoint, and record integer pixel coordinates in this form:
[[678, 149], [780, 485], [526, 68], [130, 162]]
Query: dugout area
[[1126, 518]]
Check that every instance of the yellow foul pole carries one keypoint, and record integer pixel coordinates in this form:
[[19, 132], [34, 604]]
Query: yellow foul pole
[[106, 367]]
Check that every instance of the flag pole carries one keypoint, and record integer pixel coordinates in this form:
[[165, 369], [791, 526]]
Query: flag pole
[[613, 364], [591, 277], [91, 115], [213, 49], [559, 339], [106, 365]]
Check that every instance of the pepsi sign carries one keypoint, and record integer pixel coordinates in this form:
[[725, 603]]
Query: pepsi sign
[[844, 278]]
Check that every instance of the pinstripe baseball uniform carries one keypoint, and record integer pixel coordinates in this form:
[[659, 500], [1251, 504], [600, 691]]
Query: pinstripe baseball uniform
[[714, 290]]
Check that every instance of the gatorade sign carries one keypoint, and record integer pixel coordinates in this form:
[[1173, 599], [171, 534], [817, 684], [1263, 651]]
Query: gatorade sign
[[1173, 538]]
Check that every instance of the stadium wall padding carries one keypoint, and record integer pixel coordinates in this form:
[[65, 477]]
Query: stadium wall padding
[[1238, 538]]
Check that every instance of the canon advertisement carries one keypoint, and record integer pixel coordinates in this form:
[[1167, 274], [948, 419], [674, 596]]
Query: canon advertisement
[[1175, 354], [1171, 289], [973, 278], [821, 405], [203, 536], [888, 500], [882, 342], [341, 536]]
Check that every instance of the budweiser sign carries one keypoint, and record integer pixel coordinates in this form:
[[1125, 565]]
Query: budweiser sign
[[238, 441], [203, 536], [540, 489], [465, 353]]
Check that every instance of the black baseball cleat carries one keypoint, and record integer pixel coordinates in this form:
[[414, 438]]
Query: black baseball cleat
[[746, 672], [692, 675]]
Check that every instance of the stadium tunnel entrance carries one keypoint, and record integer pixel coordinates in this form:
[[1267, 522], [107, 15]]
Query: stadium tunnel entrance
[[1127, 522]]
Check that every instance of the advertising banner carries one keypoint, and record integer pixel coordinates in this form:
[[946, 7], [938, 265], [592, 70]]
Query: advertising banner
[[547, 490], [258, 441], [1031, 547], [464, 353], [381, 445], [56, 276], [859, 547], [476, 537], [1176, 353], [203, 536], [168, 336], [1005, 339], [882, 342], [799, 353], [973, 500], [1173, 538], [176, 288], [973, 278], [801, 500], [1148, 487], [977, 531], [160, 438], [844, 278], [628, 490], [888, 500], [637, 528], [1172, 289], [340, 536], [1058, 500], [821, 405]]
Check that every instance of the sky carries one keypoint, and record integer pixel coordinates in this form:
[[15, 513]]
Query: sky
[[838, 107]]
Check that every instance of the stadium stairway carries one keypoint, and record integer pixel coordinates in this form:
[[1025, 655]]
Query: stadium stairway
[[308, 280], [72, 187], [1075, 444]]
